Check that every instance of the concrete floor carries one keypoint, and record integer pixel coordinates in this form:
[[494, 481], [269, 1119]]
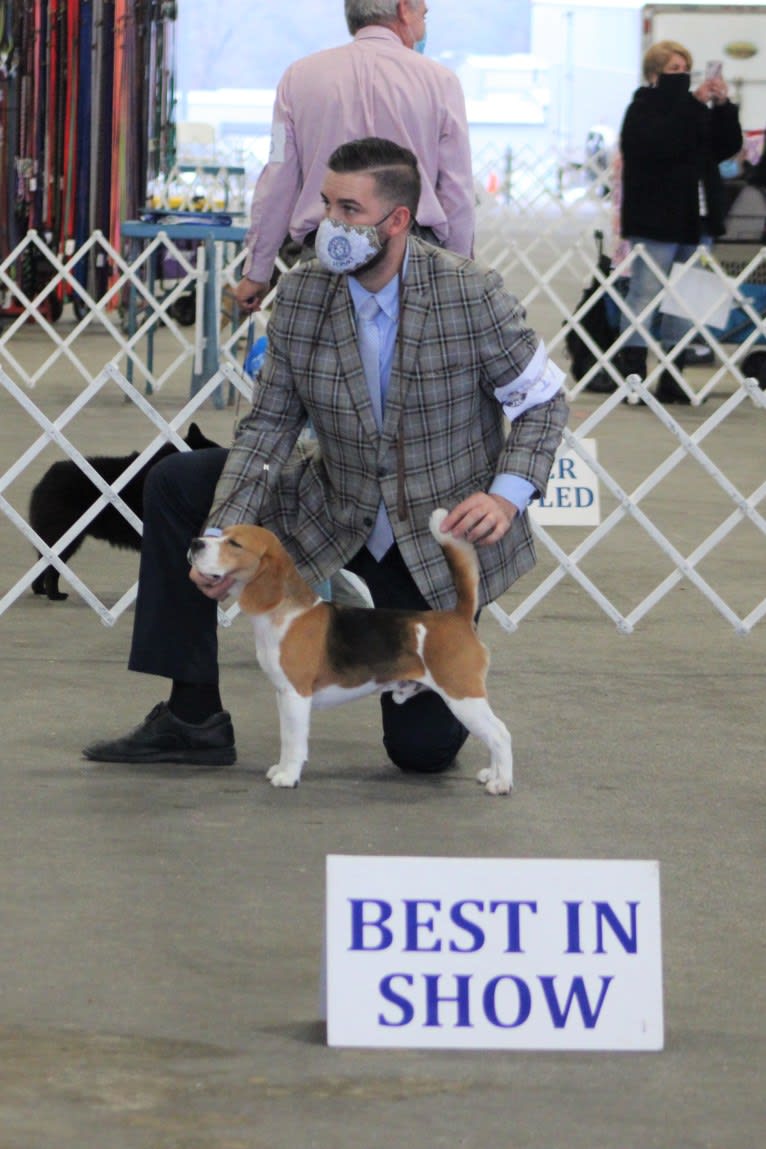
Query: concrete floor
[[161, 928]]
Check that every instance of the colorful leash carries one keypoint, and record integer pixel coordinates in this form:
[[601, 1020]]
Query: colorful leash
[[40, 89], [70, 173], [86, 107], [6, 152], [56, 117], [103, 138], [81, 221]]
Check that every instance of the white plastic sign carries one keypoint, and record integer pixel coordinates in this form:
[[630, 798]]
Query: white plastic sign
[[459, 953], [572, 495]]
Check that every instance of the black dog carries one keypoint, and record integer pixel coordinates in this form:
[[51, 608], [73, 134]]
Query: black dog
[[64, 493]]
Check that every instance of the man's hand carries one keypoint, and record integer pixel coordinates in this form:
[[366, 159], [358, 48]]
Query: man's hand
[[481, 518], [250, 294], [217, 588]]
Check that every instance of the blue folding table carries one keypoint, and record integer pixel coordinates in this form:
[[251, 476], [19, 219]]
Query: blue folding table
[[207, 230]]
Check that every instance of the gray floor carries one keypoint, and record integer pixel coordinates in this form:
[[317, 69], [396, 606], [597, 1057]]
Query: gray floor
[[160, 949]]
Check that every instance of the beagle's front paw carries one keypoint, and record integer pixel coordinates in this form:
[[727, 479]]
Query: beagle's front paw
[[285, 777]]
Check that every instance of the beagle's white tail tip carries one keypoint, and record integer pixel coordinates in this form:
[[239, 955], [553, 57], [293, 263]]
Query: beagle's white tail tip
[[444, 538], [437, 518]]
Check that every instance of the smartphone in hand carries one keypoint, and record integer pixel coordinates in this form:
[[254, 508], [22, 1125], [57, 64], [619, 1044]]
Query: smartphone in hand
[[714, 70]]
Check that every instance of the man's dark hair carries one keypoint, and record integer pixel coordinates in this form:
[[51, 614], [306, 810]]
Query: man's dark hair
[[394, 169]]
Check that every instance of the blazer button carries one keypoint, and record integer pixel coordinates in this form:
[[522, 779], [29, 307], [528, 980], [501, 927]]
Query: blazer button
[[367, 521]]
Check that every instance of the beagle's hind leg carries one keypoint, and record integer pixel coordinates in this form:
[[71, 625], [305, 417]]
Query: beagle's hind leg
[[478, 717]]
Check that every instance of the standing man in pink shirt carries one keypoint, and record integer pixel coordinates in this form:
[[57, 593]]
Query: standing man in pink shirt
[[379, 84]]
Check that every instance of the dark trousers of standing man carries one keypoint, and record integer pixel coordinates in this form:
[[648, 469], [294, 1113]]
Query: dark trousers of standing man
[[175, 631]]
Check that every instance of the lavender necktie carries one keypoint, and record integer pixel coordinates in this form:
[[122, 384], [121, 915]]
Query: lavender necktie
[[368, 335]]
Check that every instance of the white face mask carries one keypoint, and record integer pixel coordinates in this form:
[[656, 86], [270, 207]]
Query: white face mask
[[344, 248]]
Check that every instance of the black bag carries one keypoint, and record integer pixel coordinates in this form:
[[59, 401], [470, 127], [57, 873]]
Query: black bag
[[596, 320], [755, 364]]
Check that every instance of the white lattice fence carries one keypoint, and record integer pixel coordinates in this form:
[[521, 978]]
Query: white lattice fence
[[53, 432], [544, 246], [65, 348], [685, 564], [42, 295], [523, 179]]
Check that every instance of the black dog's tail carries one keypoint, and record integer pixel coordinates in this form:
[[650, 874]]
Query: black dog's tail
[[463, 563]]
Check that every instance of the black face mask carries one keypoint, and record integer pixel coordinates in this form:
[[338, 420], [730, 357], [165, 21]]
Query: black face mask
[[674, 84]]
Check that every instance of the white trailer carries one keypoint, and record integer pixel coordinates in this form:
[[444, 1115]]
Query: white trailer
[[735, 34]]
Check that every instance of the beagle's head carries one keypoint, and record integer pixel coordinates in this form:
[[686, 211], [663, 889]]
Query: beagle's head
[[265, 578], [243, 551]]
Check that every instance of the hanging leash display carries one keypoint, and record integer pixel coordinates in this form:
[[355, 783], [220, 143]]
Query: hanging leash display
[[86, 118], [102, 134]]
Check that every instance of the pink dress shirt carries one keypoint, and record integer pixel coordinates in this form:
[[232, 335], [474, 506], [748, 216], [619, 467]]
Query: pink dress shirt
[[372, 86]]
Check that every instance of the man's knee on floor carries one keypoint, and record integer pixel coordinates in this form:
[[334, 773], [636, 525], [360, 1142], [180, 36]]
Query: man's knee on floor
[[416, 750]]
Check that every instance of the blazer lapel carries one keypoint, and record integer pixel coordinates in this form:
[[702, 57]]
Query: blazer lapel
[[343, 327], [414, 308]]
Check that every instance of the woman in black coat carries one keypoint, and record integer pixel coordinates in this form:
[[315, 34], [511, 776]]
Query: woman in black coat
[[672, 142]]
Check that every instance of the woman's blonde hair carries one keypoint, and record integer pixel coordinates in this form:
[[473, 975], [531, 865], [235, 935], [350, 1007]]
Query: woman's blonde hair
[[659, 54]]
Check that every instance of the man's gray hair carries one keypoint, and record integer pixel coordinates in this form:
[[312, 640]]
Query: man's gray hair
[[360, 13]]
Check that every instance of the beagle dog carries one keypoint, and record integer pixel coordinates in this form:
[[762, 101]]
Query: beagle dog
[[320, 654]]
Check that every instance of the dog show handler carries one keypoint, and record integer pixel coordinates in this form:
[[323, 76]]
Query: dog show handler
[[426, 388]]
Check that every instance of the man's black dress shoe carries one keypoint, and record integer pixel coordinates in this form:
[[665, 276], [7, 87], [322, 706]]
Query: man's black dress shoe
[[162, 737]]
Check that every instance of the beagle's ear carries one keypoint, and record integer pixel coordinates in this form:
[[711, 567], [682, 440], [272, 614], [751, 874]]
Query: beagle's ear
[[266, 588]]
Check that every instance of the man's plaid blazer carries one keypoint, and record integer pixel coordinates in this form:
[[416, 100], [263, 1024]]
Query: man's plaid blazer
[[461, 335]]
